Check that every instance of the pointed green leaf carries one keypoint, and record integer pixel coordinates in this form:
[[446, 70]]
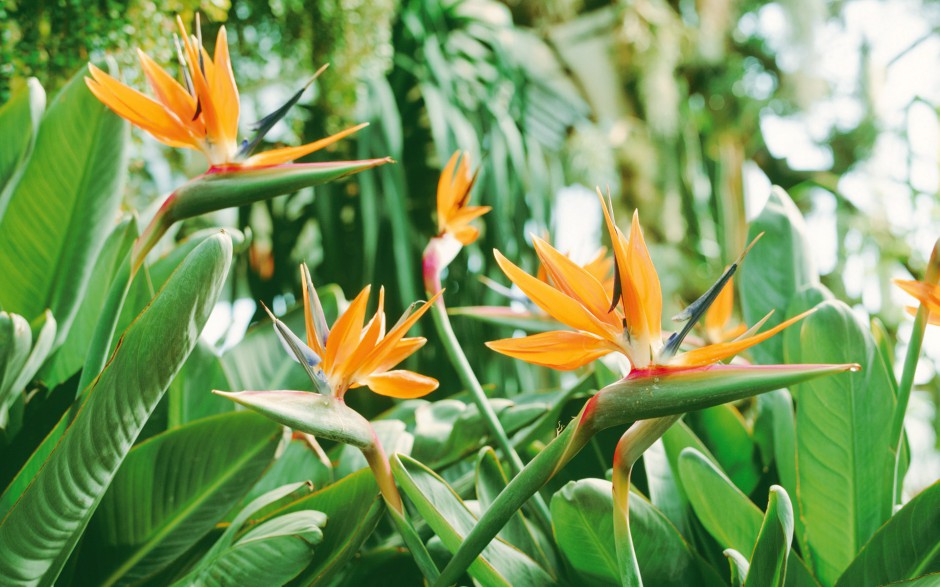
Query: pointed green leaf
[[39, 533], [768, 564], [170, 491], [72, 184], [271, 553], [353, 508], [723, 430], [42, 346], [728, 515], [19, 121], [16, 339], [844, 463], [905, 547], [739, 567], [779, 265], [448, 516]]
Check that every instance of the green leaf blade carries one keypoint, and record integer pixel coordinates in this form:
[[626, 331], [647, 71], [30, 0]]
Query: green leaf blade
[[71, 186], [38, 534]]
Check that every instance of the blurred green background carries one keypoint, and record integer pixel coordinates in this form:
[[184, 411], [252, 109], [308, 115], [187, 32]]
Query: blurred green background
[[687, 110]]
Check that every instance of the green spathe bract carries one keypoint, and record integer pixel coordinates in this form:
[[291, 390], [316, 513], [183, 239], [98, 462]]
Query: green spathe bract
[[323, 416], [43, 527]]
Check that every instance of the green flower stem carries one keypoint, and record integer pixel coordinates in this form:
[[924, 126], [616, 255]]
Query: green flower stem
[[382, 470], [469, 379], [910, 366], [634, 442], [642, 395]]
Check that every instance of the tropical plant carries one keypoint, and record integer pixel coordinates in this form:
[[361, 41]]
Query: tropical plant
[[586, 442]]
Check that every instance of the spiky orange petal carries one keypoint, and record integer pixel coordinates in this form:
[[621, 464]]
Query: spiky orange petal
[[560, 349], [401, 384]]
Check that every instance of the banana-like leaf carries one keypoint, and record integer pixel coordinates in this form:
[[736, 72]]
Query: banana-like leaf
[[768, 564], [271, 553], [778, 266], [844, 461], [225, 559], [905, 547], [51, 231], [19, 121], [582, 517], [728, 515], [170, 491], [39, 533], [70, 356], [448, 516], [353, 507], [723, 430]]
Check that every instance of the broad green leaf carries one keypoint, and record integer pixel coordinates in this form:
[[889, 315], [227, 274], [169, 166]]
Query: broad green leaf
[[519, 532], [447, 430], [844, 462], [189, 397], [904, 548], [783, 423], [778, 265], [728, 515], [51, 233], [65, 493], [768, 564], [258, 361], [448, 516], [582, 517], [271, 553], [19, 123], [297, 462], [724, 431], [353, 507], [70, 356], [170, 491]]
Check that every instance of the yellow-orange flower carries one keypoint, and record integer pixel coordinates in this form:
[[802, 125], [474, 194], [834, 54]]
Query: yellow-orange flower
[[353, 354], [927, 294], [626, 320], [453, 196], [203, 114]]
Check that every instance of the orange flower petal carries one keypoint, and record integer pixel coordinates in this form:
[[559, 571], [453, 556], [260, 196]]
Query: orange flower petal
[[719, 313], [716, 352], [387, 345], [401, 384], [224, 90], [280, 156], [926, 294], [138, 108], [445, 195], [344, 337], [576, 282], [630, 302], [555, 303], [167, 90], [646, 280], [560, 349], [403, 349]]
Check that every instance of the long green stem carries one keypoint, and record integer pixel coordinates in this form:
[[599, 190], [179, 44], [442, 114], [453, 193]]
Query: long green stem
[[634, 442], [469, 379], [533, 476], [378, 462], [904, 389]]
